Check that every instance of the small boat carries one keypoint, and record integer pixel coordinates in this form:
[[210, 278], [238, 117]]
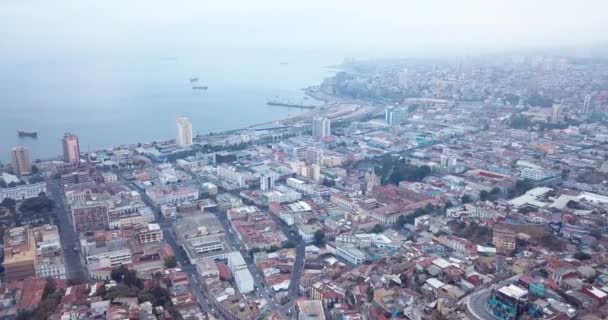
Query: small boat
[[31, 134], [193, 80], [200, 88]]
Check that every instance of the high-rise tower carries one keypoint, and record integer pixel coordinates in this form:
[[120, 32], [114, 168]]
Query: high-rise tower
[[20, 159], [71, 149], [184, 132]]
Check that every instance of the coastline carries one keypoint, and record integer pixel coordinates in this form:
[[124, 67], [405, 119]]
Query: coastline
[[332, 107], [308, 91]]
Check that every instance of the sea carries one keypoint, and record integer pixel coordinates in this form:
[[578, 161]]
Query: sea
[[122, 99]]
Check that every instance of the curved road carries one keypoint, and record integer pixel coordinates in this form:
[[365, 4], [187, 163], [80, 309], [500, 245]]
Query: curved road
[[477, 305]]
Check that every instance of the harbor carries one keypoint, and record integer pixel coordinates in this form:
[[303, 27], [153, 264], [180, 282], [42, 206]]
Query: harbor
[[288, 104]]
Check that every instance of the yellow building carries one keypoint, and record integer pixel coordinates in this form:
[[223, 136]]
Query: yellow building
[[19, 254], [503, 238]]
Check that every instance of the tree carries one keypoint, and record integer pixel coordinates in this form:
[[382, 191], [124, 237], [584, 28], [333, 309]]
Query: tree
[[273, 249], [36, 205], [370, 293], [350, 298], [550, 241], [131, 279], [466, 199], [319, 237], [573, 204], [118, 273], [483, 195], [9, 203], [25, 315], [521, 187], [596, 233], [49, 288], [170, 262], [51, 298], [489, 196], [521, 243], [122, 274], [289, 244], [75, 281], [406, 172], [447, 205], [539, 101], [378, 228], [582, 256], [404, 280], [402, 221], [101, 291], [520, 122]]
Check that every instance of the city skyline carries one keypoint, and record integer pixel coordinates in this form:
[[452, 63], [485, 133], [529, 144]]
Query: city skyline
[[351, 160]]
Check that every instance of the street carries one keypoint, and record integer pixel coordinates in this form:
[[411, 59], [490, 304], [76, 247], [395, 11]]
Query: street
[[75, 269], [478, 307], [257, 276], [185, 266], [477, 302], [182, 259], [298, 264], [261, 288]]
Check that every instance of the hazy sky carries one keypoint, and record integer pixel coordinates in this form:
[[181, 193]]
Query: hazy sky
[[371, 27]]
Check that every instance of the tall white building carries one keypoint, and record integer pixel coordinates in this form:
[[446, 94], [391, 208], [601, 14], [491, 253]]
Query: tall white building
[[242, 276], [321, 127], [587, 104], [448, 161], [267, 181], [184, 132], [395, 117], [315, 172], [536, 174], [557, 108], [315, 156]]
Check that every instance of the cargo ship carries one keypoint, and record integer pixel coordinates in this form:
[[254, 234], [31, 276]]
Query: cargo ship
[[31, 134], [200, 88]]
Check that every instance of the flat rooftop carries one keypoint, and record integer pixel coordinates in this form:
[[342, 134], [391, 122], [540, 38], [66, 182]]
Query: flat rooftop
[[23, 250], [310, 310], [513, 291], [190, 225]]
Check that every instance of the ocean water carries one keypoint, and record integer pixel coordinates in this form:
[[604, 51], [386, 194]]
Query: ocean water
[[114, 99]]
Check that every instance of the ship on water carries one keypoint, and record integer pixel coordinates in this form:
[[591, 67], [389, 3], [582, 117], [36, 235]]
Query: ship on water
[[30, 134], [200, 88]]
